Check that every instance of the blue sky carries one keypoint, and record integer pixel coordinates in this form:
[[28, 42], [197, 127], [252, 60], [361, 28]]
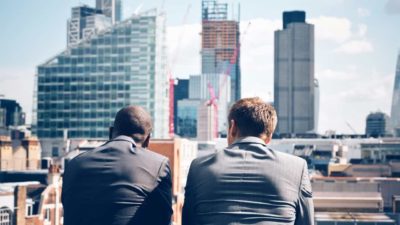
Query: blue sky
[[357, 42]]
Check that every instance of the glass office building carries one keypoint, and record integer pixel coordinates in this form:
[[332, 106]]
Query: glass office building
[[80, 90]]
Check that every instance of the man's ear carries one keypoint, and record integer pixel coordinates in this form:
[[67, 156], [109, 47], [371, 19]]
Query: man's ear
[[110, 132], [233, 128], [146, 142]]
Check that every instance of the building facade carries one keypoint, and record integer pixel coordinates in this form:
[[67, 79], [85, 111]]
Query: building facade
[[187, 114], [11, 113], [395, 112], [377, 125], [294, 83], [111, 8], [85, 21], [80, 90], [181, 91], [220, 50]]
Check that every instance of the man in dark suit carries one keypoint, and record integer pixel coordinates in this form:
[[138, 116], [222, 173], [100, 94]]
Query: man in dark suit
[[120, 182], [248, 183]]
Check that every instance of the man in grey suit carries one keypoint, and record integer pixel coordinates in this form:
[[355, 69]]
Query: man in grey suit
[[121, 182], [247, 182]]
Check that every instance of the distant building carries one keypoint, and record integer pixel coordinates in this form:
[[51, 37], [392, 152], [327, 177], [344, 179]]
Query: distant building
[[32, 203], [181, 91], [80, 90], [384, 150], [294, 82], [395, 112], [85, 22], [207, 127], [214, 87], [111, 9], [11, 113], [187, 116], [377, 125], [220, 51], [180, 153]]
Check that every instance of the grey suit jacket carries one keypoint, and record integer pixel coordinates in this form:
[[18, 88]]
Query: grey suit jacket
[[248, 183], [118, 183]]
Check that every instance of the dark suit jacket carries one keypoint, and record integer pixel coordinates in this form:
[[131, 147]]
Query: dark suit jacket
[[118, 183], [248, 183]]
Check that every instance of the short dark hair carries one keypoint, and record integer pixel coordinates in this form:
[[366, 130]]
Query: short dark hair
[[253, 117], [133, 121]]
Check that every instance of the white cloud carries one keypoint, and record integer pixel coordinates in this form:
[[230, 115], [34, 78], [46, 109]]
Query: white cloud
[[355, 47], [184, 45], [331, 74], [362, 30], [332, 28], [363, 12]]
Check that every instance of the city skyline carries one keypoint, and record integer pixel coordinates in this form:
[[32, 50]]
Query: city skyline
[[356, 51]]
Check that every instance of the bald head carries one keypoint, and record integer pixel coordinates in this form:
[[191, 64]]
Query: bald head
[[133, 121]]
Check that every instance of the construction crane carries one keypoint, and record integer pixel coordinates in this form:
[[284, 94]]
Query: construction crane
[[351, 127], [213, 103], [171, 78], [214, 97]]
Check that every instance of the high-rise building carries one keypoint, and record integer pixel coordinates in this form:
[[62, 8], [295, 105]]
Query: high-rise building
[[187, 116], [111, 9], [220, 51], [377, 124], [11, 113], [395, 112], [80, 90], [181, 91], [294, 85], [85, 22], [213, 86], [206, 123]]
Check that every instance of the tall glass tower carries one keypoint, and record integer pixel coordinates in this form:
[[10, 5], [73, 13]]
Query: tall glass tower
[[294, 83], [395, 112], [80, 90]]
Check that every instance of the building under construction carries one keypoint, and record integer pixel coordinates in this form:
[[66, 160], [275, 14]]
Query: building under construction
[[220, 44]]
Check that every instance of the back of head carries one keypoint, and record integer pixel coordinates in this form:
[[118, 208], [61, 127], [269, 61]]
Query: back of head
[[253, 117], [133, 121]]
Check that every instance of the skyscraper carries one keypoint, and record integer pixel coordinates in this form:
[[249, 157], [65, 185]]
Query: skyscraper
[[294, 85], [220, 52], [395, 112], [11, 113], [85, 21], [377, 125], [181, 91], [111, 9], [80, 90]]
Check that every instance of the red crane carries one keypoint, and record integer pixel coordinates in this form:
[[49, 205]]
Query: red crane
[[214, 97], [213, 102]]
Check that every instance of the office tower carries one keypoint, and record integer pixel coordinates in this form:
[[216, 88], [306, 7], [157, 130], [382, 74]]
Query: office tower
[[181, 91], [11, 113], [187, 116], [294, 87], [377, 124], [84, 23], [206, 123], [110, 8], [215, 87], [220, 51], [80, 90], [395, 112]]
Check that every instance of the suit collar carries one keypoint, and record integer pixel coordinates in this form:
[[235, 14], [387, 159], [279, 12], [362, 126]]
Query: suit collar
[[125, 138], [249, 140]]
